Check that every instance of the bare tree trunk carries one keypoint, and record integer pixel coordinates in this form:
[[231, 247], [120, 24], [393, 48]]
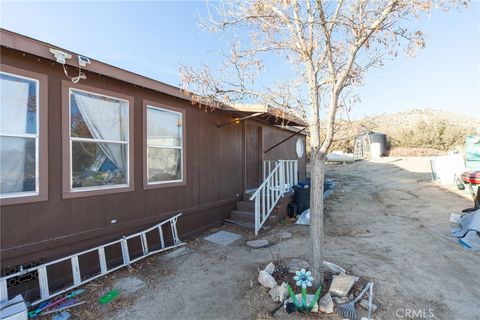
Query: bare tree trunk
[[316, 215]]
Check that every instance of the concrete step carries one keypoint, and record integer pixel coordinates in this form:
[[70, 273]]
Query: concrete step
[[244, 216], [245, 225], [247, 195], [246, 206]]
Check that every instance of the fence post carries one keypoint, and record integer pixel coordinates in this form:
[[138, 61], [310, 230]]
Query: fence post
[[282, 177], [264, 168], [257, 215], [295, 181], [289, 173]]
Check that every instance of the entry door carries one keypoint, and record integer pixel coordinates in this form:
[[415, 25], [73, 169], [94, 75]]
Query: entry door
[[253, 155]]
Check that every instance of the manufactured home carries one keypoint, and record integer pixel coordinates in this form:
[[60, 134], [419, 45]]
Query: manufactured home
[[91, 152]]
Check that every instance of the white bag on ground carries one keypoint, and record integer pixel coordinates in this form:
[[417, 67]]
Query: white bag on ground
[[304, 218]]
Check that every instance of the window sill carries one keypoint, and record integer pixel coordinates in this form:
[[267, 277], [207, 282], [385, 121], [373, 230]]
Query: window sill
[[158, 185], [88, 192], [20, 199]]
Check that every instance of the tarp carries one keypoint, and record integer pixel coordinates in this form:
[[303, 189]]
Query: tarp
[[468, 230]]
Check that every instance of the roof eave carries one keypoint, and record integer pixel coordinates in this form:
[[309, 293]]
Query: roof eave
[[10, 39], [41, 49]]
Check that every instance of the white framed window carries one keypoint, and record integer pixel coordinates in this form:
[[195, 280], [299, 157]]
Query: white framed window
[[164, 146], [99, 141], [19, 136]]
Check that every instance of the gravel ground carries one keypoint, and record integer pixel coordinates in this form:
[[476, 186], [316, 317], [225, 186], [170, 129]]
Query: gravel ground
[[385, 222]]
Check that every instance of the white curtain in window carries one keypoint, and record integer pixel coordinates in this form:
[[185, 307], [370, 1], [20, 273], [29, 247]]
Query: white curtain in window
[[14, 101], [106, 120]]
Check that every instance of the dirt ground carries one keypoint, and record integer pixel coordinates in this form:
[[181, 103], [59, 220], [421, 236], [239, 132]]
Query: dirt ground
[[386, 222]]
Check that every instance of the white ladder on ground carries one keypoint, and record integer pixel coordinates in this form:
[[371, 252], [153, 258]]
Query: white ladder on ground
[[147, 250]]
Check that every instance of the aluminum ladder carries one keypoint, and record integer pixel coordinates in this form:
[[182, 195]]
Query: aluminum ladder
[[45, 292], [361, 146]]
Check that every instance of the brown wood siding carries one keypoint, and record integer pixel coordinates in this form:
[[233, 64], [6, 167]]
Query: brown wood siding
[[285, 150], [253, 156], [51, 229]]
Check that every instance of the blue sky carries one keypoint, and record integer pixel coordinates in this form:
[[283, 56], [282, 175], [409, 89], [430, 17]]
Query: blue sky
[[154, 38]]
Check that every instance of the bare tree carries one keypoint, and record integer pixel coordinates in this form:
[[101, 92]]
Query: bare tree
[[328, 45]]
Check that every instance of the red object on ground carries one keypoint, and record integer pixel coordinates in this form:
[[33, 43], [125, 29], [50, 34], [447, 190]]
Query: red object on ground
[[471, 177]]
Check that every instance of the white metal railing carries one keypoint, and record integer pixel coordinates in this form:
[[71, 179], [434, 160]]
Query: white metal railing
[[279, 177], [290, 171]]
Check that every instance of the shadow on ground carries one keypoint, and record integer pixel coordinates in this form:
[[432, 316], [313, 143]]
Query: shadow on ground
[[385, 222]]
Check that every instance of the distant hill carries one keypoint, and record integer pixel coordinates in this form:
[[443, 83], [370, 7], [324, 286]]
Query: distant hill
[[425, 128], [429, 130], [411, 118]]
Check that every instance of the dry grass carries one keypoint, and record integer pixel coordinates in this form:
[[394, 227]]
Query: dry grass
[[148, 270], [415, 152]]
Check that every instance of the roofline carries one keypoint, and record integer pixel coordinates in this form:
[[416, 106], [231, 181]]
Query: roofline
[[16, 41], [290, 117], [10, 39]]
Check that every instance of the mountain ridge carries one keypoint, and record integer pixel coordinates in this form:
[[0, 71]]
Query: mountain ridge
[[425, 128], [412, 116]]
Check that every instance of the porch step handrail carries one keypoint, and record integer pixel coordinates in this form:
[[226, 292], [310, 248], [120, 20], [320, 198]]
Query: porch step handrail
[[268, 194], [290, 171]]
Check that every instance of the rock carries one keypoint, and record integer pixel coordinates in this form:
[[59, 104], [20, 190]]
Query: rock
[[351, 297], [284, 235], [333, 267], [129, 285], [364, 305], [257, 243], [294, 265], [266, 279], [270, 268], [342, 284], [338, 300], [279, 293], [299, 299], [325, 304]]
